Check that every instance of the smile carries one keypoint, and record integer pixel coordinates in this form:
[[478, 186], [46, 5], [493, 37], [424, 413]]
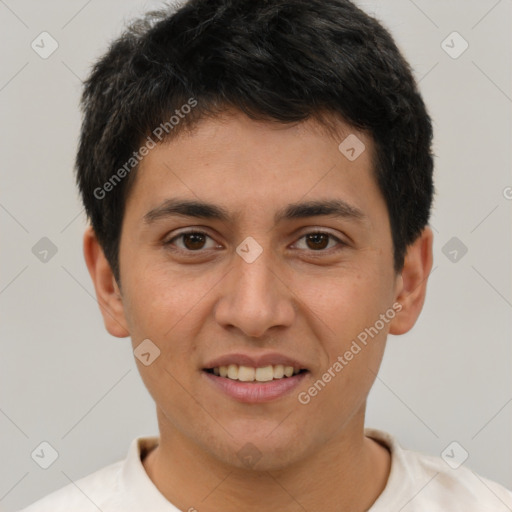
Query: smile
[[253, 389], [250, 374]]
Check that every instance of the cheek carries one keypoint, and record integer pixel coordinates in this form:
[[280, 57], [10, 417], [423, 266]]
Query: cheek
[[347, 302], [164, 308], [353, 351], [347, 312], [160, 301]]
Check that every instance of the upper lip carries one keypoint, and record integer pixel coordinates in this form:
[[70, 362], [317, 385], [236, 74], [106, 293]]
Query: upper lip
[[255, 361]]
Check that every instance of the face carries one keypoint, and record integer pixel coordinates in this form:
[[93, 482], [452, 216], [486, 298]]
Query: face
[[259, 279]]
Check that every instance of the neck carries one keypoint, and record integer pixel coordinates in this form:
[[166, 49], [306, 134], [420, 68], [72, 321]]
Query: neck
[[349, 472]]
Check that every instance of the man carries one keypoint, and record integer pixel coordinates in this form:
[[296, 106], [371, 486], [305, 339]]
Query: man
[[258, 178]]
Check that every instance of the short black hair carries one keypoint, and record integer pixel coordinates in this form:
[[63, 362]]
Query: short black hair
[[277, 60]]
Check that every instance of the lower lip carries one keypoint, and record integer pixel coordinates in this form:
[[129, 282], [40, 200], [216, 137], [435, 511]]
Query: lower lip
[[255, 392]]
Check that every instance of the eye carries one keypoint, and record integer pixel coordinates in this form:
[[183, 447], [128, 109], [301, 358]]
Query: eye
[[319, 240], [193, 241]]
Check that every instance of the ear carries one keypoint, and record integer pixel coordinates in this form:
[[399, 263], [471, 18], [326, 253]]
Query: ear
[[107, 291], [412, 283]]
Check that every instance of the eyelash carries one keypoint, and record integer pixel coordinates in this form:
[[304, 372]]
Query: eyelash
[[169, 243]]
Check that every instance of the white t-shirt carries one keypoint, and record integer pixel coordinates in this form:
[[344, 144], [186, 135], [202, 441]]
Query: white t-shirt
[[417, 483]]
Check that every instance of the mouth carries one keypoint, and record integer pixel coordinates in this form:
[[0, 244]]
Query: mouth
[[260, 374], [254, 380]]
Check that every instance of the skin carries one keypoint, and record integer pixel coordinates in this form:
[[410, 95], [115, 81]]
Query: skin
[[297, 298]]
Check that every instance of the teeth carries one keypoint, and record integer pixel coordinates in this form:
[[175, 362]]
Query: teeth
[[288, 371], [278, 371], [248, 374], [264, 374], [233, 371]]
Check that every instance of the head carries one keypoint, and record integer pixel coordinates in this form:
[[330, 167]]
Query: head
[[291, 131]]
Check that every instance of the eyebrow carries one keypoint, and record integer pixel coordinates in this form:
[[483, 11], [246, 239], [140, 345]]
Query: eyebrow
[[202, 210]]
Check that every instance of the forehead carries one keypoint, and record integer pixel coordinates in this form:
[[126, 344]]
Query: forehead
[[246, 164]]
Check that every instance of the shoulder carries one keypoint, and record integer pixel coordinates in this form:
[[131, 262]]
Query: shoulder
[[459, 487], [122, 486], [88, 494], [419, 482]]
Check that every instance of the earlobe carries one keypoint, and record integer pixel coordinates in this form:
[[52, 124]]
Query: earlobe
[[412, 284], [107, 292]]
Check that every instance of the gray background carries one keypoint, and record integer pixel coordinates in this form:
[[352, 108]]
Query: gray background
[[64, 380]]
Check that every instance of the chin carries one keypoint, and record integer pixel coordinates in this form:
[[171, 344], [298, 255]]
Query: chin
[[263, 452]]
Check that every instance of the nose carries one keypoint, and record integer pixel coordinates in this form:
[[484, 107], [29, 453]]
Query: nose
[[256, 296]]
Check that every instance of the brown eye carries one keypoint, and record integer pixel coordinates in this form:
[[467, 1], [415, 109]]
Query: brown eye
[[191, 241], [317, 241], [321, 242]]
